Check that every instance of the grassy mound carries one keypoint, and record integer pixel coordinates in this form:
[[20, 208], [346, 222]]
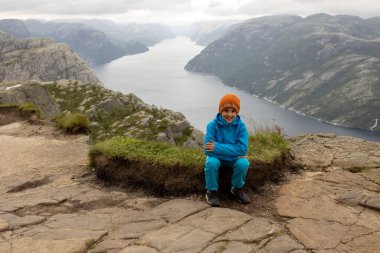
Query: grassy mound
[[159, 166], [73, 123], [171, 169]]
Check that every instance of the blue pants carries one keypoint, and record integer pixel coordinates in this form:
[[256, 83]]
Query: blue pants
[[212, 165]]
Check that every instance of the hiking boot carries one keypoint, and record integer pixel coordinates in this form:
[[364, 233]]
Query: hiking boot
[[212, 198], [240, 195]]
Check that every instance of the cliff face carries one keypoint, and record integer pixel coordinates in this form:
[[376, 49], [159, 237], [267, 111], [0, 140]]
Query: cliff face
[[323, 66], [41, 60]]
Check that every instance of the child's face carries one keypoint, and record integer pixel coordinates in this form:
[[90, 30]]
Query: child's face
[[229, 114]]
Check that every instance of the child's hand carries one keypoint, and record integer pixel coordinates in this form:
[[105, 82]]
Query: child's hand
[[210, 146]]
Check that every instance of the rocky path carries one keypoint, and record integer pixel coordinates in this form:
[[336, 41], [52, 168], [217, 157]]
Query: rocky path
[[50, 202]]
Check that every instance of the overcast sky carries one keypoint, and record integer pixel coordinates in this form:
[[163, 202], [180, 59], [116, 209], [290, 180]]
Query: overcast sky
[[181, 11]]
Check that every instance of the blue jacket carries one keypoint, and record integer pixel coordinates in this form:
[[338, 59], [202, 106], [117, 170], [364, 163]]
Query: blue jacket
[[231, 139]]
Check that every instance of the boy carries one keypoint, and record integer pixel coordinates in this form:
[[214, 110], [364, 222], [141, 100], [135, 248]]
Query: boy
[[226, 143]]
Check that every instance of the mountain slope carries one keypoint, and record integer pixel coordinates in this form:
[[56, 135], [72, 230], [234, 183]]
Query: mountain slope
[[41, 60], [324, 66]]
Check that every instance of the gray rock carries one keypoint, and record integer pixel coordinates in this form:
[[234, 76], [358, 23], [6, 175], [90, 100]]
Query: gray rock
[[216, 220], [42, 60], [16, 221], [138, 249], [373, 202], [253, 231], [177, 209], [135, 230], [31, 92], [281, 244], [175, 238]]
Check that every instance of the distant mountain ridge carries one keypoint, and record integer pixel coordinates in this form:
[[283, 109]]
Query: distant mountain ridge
[[324, 66], [203, 33], [41, 60], [96, 41]]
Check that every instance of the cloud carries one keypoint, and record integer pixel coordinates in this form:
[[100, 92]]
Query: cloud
[[181, 10]]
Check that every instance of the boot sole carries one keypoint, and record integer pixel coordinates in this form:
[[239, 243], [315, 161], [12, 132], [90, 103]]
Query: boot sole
[[211, 204]]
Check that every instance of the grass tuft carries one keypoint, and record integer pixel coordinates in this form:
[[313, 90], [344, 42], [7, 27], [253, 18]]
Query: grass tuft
[[29, 108], [73, 123], [267, 145]]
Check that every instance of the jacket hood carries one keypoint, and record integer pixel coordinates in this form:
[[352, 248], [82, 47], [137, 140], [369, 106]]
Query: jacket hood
[[221, 121]]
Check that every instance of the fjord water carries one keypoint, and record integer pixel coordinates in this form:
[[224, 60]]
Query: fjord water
[[158, 77]]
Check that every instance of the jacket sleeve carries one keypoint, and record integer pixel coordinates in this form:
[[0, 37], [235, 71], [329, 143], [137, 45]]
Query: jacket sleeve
[[239, 148], [210, 136]]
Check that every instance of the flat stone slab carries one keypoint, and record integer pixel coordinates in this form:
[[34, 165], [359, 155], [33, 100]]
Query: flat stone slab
[[216, 220], [138, 249], [177, 209], [365, 243], [109, 244], [26, 244], [17, 221], [254, 230], [282, 244], [317, 234], [44, 233], [176, 237], [79, 221], [135, 230]]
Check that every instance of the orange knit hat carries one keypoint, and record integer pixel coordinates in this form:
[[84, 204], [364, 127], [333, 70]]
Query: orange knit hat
[[229, 101]]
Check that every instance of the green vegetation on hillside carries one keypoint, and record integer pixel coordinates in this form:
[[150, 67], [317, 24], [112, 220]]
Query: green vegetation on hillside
[[112, 113], [73, 123]]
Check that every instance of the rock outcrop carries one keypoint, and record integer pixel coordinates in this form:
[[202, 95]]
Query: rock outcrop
[[113, 113], [30, 92], [41, 60], [323, 66]]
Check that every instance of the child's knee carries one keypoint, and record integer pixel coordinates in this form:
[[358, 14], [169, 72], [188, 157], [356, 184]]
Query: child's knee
[[242, 164], [212, 163]]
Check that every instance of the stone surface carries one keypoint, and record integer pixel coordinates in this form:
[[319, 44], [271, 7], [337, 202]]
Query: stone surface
[[177, 238], [17, 221], [254, 230], [135, 230], [281, 244], [216, 220], [317, 234], [177, 209], [138, 249], [4, 225], [42, 60], [332, 211]]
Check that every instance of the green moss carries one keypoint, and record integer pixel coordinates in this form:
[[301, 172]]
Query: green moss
[[222, 247], [73, 123], [9, 105], [150, 152], [29, 108], [267, 145]]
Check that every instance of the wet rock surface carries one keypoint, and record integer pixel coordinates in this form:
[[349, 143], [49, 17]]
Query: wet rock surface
[[51, 202]]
